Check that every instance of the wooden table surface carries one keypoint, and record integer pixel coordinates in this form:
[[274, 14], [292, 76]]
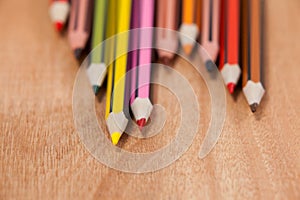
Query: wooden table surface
[[41, 155]]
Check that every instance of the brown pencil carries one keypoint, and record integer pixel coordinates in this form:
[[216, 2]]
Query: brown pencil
[[167, 18], [251, 52]]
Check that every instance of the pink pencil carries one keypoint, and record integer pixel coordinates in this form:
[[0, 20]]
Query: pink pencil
[[210, 32], [80, 24], [141, 105]]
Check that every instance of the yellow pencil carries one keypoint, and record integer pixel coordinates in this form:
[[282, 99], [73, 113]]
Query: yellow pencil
[[115, 117], [109, 50]]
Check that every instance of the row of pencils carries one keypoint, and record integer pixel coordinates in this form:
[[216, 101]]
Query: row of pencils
[[230, 32]]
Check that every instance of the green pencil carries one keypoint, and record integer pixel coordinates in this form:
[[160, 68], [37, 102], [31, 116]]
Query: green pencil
[[97, 68]]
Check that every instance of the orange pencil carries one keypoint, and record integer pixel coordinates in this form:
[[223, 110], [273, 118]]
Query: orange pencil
[[80, 24], [167, 18], [59, 11], [251, 52], [229, 43], [190, 26]]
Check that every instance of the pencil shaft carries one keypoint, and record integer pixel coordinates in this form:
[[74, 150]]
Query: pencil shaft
[[245, 40], [188, 13], [190, 26], [232, 23], [123, 24], [229, 43], [145, 54], [167, 14], [80, 23], [222, 35], [98, 30], [109, 53], [171, 11], [210, 27], [134, 40], [251, 41], [167, 18], [229, 32], [198, 13], [215, 21], [251, 52], [255, 40]]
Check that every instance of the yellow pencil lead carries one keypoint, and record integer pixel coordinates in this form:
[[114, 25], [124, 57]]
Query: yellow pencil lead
[[115, 137]]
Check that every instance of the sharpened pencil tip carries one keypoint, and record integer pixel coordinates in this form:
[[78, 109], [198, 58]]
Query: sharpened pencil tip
[[188, 49], [166, 61], [115, 137], [77, 53], [253, 107], [96, 89], [59, 26], [210, 65], [231, 87], [141, 122]]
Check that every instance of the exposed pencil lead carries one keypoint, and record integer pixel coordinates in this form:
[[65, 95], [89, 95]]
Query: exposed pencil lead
[[115, 137], [77, 53], [59, 26], [141, 122], [231, 87], [166, 61], [96, 89], [253, 107], [209, 65]]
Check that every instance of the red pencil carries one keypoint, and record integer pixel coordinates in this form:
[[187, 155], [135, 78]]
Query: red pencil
[[229, 43], [59, 11]]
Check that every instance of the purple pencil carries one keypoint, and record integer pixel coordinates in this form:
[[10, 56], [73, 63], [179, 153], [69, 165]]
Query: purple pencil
[[141, 105], [131, 77]]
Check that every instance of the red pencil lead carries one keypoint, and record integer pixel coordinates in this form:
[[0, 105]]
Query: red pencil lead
[[231, 87], [141, 122], [59, 26]]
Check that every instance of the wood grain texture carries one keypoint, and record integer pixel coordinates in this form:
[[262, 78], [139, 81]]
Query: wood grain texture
[[41, 156]]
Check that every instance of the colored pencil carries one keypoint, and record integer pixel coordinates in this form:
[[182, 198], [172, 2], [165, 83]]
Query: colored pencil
[[141, 105], [189, 27], [229, 43], [110, 54], [132, 56], [251, 52], [97, 68], [115, 117], [80, 24], [59, 11], [210, 32], [167, 18]]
